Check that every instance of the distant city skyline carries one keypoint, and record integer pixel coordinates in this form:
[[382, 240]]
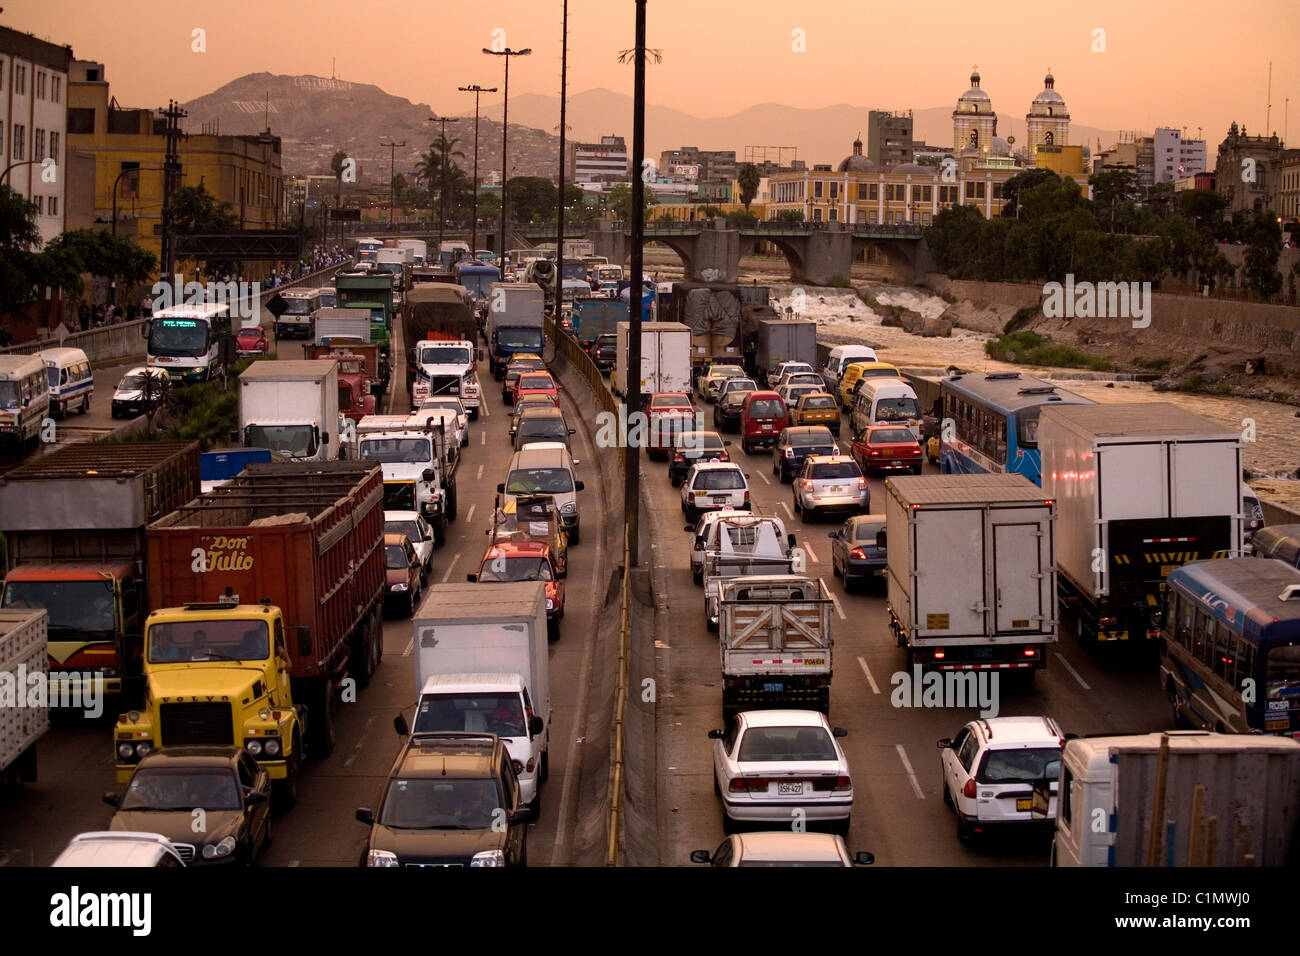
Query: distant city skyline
[[1159, 67]]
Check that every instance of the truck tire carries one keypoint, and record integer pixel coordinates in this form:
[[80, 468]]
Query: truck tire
[[285, 792], [575, 535], [439, 531], [544, 773], [323, 730], [473, 414], [451, 502]]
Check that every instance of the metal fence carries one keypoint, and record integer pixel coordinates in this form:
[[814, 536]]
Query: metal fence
[[620, 707]]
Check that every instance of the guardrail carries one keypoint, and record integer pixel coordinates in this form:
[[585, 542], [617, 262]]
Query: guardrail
[[620, 705]]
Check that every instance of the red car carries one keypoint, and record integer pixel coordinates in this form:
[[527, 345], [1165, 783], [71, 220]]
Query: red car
[[885, 448], [251, 341], [762, 420], [537, 383], [670, 414]]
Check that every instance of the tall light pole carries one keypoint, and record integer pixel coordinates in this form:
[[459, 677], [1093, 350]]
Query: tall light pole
[[442, 186], [505, 133], [476, 90], [559, 212], [392, 174]]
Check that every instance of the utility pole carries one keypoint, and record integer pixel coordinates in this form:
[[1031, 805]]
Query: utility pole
[[392, 174], [171, 179], [476, 90], [505, 137], [559, 216], [442, 185], [632, 475]]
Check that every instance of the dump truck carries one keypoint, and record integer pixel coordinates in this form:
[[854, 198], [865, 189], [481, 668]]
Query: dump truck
[[25, 718], [372, 292], [267, 599], [1219, 799], [359, 388], [74, 526], [435, 311], [774, 632], [514, 323], [971, 576], [1141, 489]]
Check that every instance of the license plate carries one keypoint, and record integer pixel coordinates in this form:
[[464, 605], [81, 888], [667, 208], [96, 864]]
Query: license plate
[[1024, 804], [720, 499], [836, 489], [983, 652], [775, 688], [767, 428], [790, 787]]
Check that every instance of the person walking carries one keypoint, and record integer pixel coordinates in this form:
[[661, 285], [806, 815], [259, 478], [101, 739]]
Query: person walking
[[83, 317]]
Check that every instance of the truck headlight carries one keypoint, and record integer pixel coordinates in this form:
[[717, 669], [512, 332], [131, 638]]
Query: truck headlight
[[254, 747], [488, 858], [273, 747], [126, 751], [215, 851], [143, 748], [381, 858]]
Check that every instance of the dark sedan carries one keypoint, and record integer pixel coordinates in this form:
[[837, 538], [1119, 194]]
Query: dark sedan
[[858, 550], [726, 413], [795, 444], [211, 803], [692, 447]]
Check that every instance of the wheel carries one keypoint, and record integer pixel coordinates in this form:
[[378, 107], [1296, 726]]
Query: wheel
[[674, 480], [947, 797], [916, 470], [440, 531], [464, 442], [85, 406], [535, 808], [745, 446], [728, 824], [424, 577], [415, 601], [523, 851], [285, 792], [796, 504], [841, 826], [964, 832], [553, 630], [544, 772], [451, 503], [322, 726], [716, 789], [698, 577], [473, 414], [575, 535], [775, 470], [835, 571]]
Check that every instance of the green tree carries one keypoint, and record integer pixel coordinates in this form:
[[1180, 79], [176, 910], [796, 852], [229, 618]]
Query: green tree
[[1013, 187], [790, 215], [620, 201], [18, 234], [533, 199], [740, 219], [1203, 207], [194, 209], [1263, 238], [710, 211], [1113, 188], [748, 178], [441, 175]]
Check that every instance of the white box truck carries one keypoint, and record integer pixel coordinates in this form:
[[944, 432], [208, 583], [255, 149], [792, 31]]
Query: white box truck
[[971, 574], [481, 666], [291, 406], [1141, 489], [24, 660], [665, 359], [339, 326], [1221, 799]]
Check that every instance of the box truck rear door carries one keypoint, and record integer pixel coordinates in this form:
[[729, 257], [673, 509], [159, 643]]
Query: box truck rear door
[[1017, 577], [949, 594]]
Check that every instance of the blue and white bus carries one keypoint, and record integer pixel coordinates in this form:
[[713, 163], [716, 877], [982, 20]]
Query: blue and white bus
[[1230, 649], [368, 248], [192, 343], [990, 423]]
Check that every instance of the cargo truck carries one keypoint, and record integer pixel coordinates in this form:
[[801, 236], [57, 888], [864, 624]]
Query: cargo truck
[[665, 359], [419, 467], [514, 323], [435, 311], [291, 406], [24, 719], [481, 665], [595, 317], [1219, 799], [971, 575], [447, 367], [372, 292], [359, 389], [784, 340], [74, 527], [218, 467], [1141, 489], [775, 636], [267, 597]]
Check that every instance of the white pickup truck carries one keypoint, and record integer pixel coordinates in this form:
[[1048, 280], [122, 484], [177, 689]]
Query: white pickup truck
[[746, 544]]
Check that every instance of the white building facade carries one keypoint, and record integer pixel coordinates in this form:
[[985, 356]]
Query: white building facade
[[1176, 157]]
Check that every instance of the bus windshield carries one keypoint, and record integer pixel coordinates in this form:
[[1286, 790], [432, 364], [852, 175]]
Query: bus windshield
[[178, 337], [10, 393], [1282, 678], [84, 606]]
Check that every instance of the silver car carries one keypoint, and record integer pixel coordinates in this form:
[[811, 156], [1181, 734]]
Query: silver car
[[830, 483]]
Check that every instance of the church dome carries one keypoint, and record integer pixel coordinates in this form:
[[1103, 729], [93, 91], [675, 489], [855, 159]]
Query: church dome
[[1048, 102], [974, 100], [857, 163], [999, 147]]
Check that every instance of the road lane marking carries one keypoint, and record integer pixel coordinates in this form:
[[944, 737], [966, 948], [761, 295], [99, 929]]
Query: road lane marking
[[479, 476], [911, 774], [483, 438], [866, 670], [410, 646], [787, 510], [807, 546], [1073, 673], [446, 574], [470, 514], [361, 742], [766, 481], [838, 610]]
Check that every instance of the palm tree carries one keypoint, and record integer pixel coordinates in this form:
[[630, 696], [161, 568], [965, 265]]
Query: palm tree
[[437, 169], [652, 56], [749, 179]]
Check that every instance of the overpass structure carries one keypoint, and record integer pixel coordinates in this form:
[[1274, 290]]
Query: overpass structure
[[710, 250]]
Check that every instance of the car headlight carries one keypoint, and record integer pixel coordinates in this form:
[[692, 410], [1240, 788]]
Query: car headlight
[[215, 851], [254, 747], [569, 509], [488, 858], [381, 858], [398, 587]]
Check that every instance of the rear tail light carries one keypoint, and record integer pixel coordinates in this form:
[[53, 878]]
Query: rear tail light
[[1029, 652], [737, 785], [679, 457], [843, 783], [862, 482], [875, 451], [756, 784], [940, 654], [857, 553], [747, 496], [969, 789], [808, 483]]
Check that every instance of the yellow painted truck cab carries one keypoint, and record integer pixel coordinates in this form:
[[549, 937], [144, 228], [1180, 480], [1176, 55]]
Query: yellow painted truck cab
[[216, 674]]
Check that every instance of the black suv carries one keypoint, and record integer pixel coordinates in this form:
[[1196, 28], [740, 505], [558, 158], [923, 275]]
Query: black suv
[[604, 351], [452, 799]]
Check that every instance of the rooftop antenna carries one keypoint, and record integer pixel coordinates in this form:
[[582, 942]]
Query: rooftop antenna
[[1268, 110], [332, 68]]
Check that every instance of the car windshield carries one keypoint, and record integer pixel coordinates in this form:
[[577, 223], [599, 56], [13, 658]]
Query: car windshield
[[791, 368], [295, 441], [817, 439], [182, 790], [719, 479], [1020, 765], [409, 528], [444, 355], [550, 481], [726, 371], [770, 744], [881, 373], [396, 450], [885, 436], [231, 640], [440, 803], [501, 714], [536, 381], [548, 429], [785, 863], [897, 409], [394, 557], [837, 469], [819, 401], [739, 385], [497, 567], [804, 378], [766, 408], [83, 606], [735, 399], [698, 442]]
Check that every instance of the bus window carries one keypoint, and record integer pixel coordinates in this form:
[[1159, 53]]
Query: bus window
[[1203, 639], [1282, 676], [1225, 652]]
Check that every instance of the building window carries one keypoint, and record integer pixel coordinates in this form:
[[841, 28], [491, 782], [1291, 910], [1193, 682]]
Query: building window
[[817, 214], [40, 84], [20, 80], [56, 89], [871, 217], [54, 145], [817, 189], [835, 190], [38, 144], [997, 190], [862, 191], [898, 218], [20, 142], [925, 219], [923, 193], [835, 215], [2, 134], [40, 205], [974, 190]]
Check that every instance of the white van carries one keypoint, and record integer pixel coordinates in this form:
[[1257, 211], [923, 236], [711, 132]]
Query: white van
[[71, 380], [546, 468], [114, 848], [839, 358], [885, 401]]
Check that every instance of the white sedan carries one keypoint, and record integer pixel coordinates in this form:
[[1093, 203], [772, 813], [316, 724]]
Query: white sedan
[[707, 385], [782, 767], [783, 849]]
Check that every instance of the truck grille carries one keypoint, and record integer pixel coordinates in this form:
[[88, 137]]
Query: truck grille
[[196, 723], [444, 385]]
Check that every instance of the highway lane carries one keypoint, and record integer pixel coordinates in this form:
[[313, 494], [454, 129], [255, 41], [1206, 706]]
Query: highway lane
[[899, 812]]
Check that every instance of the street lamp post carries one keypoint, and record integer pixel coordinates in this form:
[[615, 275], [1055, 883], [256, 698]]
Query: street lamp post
[[505, 133], [632, 463], [442, 186], [392, 174], [476, 90]]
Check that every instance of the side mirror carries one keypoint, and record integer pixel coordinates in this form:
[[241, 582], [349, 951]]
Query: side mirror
[[578, 484], [400, 725], [472, 577], [943, 743], [535, 725], [717, 734], [110, 798], [727, 443], [255, 799], [428, 474], [833, 535], [522, 815], [701, 856], [840, 732], [561, 575], [573, 431], [881, 538], [863, 858], [501, 488], [366, 815]]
